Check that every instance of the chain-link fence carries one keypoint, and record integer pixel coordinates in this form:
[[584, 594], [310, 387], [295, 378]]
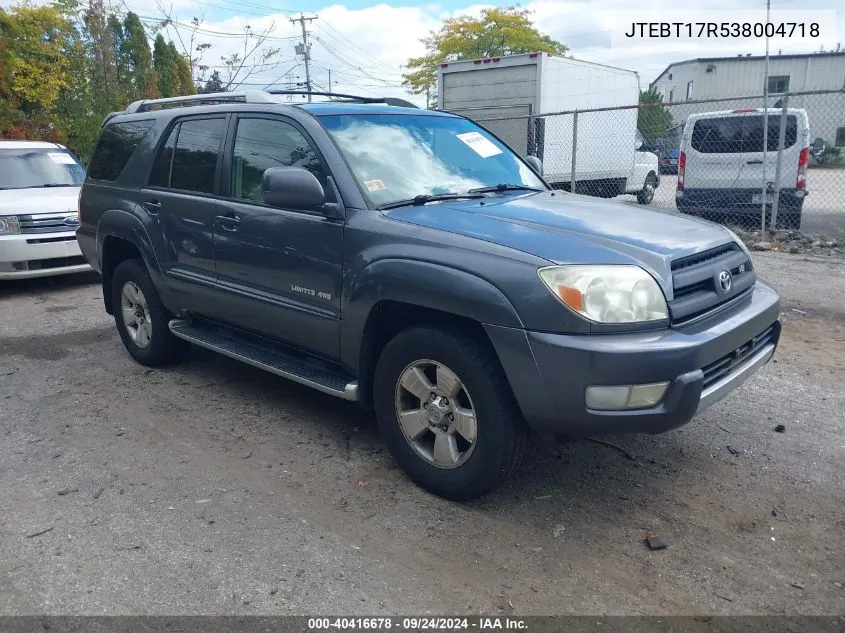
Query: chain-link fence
[[727, 160]]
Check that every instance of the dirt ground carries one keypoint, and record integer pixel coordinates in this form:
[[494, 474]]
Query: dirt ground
[[213, 488]]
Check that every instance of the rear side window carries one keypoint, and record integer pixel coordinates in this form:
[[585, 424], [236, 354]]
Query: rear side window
[[196, 154], [741, 134], [160, 175], [188, 158], [116, 145]]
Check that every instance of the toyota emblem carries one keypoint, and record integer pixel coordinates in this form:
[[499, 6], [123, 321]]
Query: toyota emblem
[[725, 281]]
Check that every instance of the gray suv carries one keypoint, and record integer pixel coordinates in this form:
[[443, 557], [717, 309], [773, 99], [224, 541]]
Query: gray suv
[[410, 261]]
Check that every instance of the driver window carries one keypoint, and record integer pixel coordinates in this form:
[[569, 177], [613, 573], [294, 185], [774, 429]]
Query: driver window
[[264, 143]]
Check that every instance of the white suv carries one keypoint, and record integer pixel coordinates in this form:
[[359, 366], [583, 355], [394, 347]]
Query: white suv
[[39, 190]]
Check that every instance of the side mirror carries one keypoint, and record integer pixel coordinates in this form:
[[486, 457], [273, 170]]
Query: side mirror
[[292, 188], [535, 163]]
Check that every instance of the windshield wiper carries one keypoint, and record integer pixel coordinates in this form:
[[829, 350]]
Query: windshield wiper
[[426, 198], [504, 187]]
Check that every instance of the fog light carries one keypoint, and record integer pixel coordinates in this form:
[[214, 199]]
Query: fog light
[[621, 397], [20, 266]]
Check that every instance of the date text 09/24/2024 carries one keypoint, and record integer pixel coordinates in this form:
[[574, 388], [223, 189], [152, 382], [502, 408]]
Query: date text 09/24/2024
[[726, 30], [417, 624]]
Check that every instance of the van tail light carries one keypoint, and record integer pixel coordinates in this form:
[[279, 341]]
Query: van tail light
[[682, 166], [803, 160]]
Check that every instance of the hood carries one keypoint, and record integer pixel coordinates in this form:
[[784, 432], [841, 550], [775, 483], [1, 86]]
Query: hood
[[50, 200], [564, 228]]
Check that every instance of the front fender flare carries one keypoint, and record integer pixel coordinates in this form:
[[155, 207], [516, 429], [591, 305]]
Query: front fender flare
[[424, 284]]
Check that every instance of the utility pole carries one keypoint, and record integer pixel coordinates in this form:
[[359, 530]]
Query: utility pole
[[304, 49]]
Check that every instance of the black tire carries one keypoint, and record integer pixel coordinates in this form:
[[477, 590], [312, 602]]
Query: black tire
[[503, 439], [646, 195], [162, 347]]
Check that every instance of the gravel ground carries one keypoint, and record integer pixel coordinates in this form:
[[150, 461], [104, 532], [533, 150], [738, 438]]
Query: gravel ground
[[213, 488]]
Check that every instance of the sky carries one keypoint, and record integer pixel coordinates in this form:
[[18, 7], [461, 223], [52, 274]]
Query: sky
[[365, 43]]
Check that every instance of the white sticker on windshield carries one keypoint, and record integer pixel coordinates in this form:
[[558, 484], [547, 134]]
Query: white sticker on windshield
[[60, 158], [374, 185], [480, 145]]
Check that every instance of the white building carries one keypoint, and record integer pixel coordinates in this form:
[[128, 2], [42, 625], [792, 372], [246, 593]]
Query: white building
[[722, 77]]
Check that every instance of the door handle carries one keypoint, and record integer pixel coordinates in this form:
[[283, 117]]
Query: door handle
[[754, 162], [153, 206], [228, 222]]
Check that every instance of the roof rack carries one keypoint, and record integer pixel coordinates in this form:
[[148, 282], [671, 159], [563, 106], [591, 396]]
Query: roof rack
[[253, 96], [347, 98], [248, 96]]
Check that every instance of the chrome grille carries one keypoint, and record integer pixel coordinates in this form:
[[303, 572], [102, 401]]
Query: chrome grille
[[48, 222], [695, 281]]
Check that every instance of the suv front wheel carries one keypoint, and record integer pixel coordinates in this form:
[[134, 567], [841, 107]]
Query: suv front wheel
[[141, 318], [447, 413]]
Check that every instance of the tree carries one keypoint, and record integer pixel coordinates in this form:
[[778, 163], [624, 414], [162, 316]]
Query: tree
[[214, 84], [184, 83], [137, 60], [102, 34], [165, 67], [35, 69], [255, 57], [653, 119], [499, 31], [192, 48]]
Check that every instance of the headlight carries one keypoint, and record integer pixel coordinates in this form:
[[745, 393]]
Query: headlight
[[607, 294], [9, 225]]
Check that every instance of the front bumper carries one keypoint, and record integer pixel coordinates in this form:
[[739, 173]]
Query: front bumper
[[703, 362], [26, 256]]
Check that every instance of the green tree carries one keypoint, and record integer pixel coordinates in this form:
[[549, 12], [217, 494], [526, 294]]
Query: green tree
[[213, 84], [184, 83], [34, 68], [75, 113], [653, 119], [164, 64], [139, 76], [103, 51], [499, 31]]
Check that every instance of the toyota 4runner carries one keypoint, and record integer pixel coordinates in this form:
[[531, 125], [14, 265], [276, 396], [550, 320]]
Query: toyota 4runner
[[409, 260]]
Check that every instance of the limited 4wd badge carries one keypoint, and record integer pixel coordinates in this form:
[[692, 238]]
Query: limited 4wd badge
[[310, 291]]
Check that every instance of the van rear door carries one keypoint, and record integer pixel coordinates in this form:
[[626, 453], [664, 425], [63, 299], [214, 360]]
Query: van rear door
[[726, 152]]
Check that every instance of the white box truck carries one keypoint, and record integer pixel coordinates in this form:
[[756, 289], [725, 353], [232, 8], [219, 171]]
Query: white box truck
[[508, 96]]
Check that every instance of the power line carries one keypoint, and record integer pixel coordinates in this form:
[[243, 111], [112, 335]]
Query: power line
[[339, 56], [363, 54]]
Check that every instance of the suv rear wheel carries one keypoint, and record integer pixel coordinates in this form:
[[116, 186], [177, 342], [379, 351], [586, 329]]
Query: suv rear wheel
[[447, 413], [140, 316]]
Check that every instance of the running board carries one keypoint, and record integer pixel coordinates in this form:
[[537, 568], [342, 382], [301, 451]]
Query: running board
[[264, 354]]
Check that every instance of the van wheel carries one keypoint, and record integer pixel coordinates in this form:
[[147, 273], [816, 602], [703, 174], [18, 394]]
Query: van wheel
[[447, 413], [141, 318], [646, 195]]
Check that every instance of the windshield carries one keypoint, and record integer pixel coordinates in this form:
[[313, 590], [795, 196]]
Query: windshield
[[398, 157], [29, 168]]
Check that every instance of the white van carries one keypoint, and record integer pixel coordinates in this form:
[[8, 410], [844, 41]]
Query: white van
[[721, 170], [39, 193]]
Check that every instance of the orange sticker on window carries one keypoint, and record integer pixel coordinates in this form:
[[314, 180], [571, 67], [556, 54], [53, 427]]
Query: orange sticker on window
[[374, 185]]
